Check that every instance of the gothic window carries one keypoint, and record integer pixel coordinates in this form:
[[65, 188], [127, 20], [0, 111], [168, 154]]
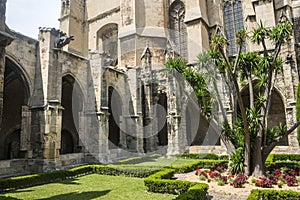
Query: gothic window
[[108, 41], [178, 32], [233, 20]]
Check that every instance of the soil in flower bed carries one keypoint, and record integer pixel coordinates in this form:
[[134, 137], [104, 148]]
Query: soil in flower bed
[[228, 192]]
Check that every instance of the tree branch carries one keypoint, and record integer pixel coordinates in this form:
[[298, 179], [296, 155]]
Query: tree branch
[[267, 150]]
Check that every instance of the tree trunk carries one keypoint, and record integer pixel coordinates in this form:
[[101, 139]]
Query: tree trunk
[[258, 164]]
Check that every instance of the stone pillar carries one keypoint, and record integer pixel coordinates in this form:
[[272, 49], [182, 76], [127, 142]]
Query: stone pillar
[[176, 138], [25, 133], [103, 136]]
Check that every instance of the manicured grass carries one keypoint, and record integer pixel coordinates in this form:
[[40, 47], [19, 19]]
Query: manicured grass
[[89, 187], [155, 161]]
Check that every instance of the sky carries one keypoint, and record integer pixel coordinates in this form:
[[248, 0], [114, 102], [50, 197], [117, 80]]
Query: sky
[[26, 16]]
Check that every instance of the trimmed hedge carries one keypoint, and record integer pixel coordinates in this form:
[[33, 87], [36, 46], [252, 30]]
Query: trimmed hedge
[[283, 157], [196, 192], [200, 164], [280, 164], [48, 177], [203, 156], [160, 183], [273, 194]]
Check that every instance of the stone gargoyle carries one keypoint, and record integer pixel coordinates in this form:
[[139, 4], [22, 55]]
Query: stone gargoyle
[[63, 40]]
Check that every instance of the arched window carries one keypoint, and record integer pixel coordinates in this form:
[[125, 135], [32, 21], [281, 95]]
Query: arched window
[[108, 41], [233, 21], [178, 32]]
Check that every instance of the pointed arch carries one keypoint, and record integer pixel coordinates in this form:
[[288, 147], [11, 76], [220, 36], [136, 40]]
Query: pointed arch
[[178, 30], [107, 41], [72, 102], [16, 93]]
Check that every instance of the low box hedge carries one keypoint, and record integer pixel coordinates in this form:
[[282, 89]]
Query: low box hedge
[[286, 164], [48, 177], [160, 183], [200, 164], [283, 157], [273, 194], [196, 192], [203, 156]]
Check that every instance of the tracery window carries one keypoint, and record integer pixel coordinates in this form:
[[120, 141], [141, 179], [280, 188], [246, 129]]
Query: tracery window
[[108, 41], [178, 32], [233, 20]]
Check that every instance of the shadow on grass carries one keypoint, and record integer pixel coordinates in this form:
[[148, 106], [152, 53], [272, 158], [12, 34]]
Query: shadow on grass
[[8, 198], [138, 160], [79, 196], [15, 191], [69, 182]]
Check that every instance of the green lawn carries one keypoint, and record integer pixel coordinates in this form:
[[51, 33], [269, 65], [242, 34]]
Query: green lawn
[[155, 161], [89, 187]]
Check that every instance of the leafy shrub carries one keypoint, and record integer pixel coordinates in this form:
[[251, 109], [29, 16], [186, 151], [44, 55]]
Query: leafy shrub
[[237, 161], [264, 182], [239, 180], [290, 180], [273, 194], [221, 183], [202, 178]]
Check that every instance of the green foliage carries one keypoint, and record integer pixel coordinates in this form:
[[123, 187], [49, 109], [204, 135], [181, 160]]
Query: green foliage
[[284, 157], [236, 164], [285, 164], [48, 177], [195, 79], [200, 164], [203, 156], [298, 111], [196, 192], [159, 183], [273, 194]]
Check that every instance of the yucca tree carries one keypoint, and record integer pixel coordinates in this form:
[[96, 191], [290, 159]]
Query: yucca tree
[[263, 68]]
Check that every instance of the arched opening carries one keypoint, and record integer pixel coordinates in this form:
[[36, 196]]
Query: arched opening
[[115, 110], [161, 114], [15, 95], [198, 129], [12, 145], [277, 110], [107, 42], [67, 143], [72, 102], [233, 21], [178, 30]]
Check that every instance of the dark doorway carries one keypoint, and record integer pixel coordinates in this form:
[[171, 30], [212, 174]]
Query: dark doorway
[[67, 142], [162, 119], [115, 110], [72, 102]]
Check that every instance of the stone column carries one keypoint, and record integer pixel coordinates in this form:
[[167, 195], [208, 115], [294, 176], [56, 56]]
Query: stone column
[[25, 132]]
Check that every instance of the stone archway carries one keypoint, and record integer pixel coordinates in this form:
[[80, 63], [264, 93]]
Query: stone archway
[[15, 95], [115, 110], [199, 132], [72, 102], [277, 109]]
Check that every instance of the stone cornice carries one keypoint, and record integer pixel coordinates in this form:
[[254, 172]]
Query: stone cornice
[[105, 14]]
